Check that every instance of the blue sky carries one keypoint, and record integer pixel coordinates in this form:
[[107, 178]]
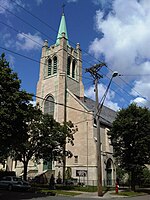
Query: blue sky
[[114, 31]]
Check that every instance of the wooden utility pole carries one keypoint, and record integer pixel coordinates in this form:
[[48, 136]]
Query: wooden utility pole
[[94, 72], [99, 165], [65, 128]]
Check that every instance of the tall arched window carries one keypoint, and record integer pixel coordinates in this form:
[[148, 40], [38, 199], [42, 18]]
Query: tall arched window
[[73, 68], [49, 106], [109, 171], [49, 67], [55, 65], [68, 65]]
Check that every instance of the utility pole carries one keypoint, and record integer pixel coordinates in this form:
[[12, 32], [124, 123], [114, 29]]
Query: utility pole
[[65, 128], [94, 72]]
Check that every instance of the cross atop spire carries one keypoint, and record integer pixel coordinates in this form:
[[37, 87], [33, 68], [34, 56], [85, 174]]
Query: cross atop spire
[[62, 28], [63, 8]]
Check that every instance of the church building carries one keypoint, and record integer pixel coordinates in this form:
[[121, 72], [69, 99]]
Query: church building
[[60, 87], [61, 93]]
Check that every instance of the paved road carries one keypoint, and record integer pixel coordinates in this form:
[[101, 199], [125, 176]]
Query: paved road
[[147, 197], [5, 195]]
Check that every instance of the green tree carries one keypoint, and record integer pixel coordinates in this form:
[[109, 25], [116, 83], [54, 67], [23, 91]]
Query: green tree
[[130, 136], [29, 143], [54, 135], [12, 103], [42, 138]]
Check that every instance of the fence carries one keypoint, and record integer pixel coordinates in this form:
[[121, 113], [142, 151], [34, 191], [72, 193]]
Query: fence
[[107, 183]]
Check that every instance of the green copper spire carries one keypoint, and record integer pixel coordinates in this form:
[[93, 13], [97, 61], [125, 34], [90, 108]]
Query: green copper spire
[[62, 29]]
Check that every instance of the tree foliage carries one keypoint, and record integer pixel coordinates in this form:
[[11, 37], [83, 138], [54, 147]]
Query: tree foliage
[[25, 132], [12, 104], [130, 136], [42, 138]]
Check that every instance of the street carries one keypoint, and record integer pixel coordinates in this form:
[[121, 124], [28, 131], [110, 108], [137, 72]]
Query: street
[[147, 197], [18, 195], [6, 195]]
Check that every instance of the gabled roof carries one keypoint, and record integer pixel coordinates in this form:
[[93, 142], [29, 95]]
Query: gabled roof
[[62, 29], [107, 115]]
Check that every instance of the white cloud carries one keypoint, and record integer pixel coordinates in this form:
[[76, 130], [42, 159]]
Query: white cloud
[[143, 88], [9, 5], [72, 1], [7, 39], [101, 90], [103, 3], [33, 103], [11, 61], [126, 40], [6, 4], [39, 2], [97, 2], [140, 101], [28, 41]]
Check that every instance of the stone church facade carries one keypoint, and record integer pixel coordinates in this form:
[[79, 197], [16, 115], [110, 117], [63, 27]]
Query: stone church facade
[[60, 83], [60, 75]]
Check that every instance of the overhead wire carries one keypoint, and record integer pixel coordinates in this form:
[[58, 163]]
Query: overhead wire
[[32, 60], [43, 63], [46, 24], [90, 112], [28, 36], [120, 75], [120, 86], [51, 38], [24, 21]]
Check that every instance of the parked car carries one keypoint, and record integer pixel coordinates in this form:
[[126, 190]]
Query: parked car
[[14, 183]]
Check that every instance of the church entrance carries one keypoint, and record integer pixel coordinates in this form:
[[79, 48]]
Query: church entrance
[[109, 172]]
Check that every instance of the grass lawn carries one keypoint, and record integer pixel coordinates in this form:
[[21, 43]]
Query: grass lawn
[[66, 190], [129, 193], [59, 192]]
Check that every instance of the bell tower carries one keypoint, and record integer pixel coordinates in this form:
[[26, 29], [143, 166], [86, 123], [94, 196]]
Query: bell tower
[[60, 70]]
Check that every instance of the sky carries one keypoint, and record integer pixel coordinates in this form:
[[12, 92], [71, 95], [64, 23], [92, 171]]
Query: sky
[[112, 31]]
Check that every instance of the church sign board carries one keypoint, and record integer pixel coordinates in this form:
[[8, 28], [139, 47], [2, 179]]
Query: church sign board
[[82, 173]]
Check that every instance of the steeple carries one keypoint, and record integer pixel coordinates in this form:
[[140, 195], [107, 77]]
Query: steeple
[[62, 29]]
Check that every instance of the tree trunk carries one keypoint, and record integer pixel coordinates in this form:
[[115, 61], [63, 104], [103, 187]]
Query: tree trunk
[[133, 180], [64, 163], [25, 163]]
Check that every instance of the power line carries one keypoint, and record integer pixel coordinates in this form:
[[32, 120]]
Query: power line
[[134, 74], [129, 87], [25, 35], [135, 90], [26, 57], [34, 61], [70, 107], [29, 58], [29, 37], [34, 28], [54, 40], [125, 90], [46, 24], [61, 104]]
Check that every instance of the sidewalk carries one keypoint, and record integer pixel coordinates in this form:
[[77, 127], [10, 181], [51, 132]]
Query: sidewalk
[[94, 195]]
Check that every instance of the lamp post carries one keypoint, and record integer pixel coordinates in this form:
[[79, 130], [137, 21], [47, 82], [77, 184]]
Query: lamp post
[[99, 109]]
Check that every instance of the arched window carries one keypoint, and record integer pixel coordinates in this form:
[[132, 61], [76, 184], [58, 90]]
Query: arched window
[[49, 106], [73, 68], [55, 65], [68, 65], [109, 172], [49, 67]]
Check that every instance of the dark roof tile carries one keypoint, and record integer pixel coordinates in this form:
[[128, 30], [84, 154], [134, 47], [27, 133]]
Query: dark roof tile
[[107, 115]]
